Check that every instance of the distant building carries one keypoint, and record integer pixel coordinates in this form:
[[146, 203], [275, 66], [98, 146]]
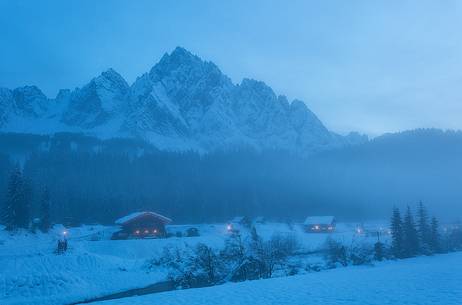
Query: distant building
[[237, 222], [319, 224], [141, 225]]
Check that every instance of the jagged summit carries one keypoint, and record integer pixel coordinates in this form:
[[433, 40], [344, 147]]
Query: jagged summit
[[183, 103]]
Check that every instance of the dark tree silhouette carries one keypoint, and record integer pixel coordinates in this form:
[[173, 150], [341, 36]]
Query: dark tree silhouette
[[378, 249], [396, 228], [423, 229], [410, 237], [16, 212], [435, 238]]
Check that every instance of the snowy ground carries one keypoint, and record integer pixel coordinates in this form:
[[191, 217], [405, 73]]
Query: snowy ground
[[30, 273], [420, 281]]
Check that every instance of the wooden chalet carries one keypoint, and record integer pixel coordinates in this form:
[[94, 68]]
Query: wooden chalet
[[141, 225], [319, 224]]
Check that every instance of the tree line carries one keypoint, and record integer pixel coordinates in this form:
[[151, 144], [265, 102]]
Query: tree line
[[99, 187], [411, 237], [100, 181]]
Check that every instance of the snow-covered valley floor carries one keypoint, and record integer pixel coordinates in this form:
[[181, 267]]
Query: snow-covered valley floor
[[95, 266], [419, 281]]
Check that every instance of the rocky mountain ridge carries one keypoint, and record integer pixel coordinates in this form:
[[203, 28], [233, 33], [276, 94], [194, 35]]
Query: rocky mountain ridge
[[182, 103]]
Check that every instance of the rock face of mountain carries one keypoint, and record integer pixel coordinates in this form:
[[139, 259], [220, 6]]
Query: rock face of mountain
[[183, 103]]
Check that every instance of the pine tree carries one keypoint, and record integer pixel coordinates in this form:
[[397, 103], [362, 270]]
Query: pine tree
[[423, 229], [16, 212], [9, 212], [410, 237], [434, 236], [24, 210], [45, 221], [396, 234]]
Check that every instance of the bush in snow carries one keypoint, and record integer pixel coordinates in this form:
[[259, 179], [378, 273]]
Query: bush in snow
[[192, 232], [257, 258], [191, 267], [335, 253], [361, 253], [208, 264], [180, 263]]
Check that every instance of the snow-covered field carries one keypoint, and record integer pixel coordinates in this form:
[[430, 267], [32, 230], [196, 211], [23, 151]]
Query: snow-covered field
[[419, 281], [30, 273]]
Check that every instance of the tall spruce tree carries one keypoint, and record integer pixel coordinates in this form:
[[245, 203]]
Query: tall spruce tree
[[410, 237], [17, 210], [423, 229], [24, 215], [396, 228], [45, 219], [435, 242], [9, 208]]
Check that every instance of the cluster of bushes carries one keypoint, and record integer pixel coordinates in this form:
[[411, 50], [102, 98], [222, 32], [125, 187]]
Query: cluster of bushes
[[239, 260], [336, 254]]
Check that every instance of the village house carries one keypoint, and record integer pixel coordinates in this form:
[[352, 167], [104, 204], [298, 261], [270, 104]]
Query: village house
[[319, 224], [237, 222], [141, 225]]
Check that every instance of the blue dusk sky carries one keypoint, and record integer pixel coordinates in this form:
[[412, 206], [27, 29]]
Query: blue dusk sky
[[369, 66]]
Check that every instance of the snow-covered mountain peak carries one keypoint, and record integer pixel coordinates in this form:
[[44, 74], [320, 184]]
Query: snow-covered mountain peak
[[183, 68], [30, 101], [101, 100], [111, 80], [182, 103]]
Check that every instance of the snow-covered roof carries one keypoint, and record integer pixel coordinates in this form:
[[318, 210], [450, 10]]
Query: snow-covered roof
[[312, 220], [135, 215]]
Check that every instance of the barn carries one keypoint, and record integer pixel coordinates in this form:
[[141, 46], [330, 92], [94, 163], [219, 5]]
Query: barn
[[319, 224], [141, 225]]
